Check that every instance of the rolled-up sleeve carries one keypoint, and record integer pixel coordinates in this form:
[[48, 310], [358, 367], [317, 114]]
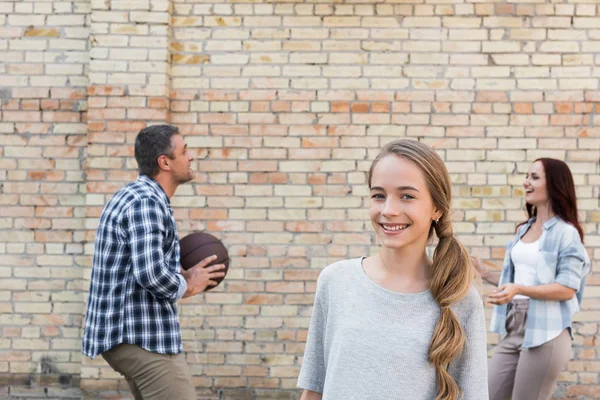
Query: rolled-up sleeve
[[572, 260], [145, 229]]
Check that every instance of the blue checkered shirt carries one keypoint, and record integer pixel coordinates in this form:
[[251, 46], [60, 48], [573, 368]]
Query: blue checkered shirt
[[135, 280], [562, 259]]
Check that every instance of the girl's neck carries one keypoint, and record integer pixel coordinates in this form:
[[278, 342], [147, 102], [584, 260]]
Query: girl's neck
[[409, 263], [543, 213]]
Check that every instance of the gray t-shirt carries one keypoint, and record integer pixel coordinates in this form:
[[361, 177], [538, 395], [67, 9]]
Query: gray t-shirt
[[367, 342]]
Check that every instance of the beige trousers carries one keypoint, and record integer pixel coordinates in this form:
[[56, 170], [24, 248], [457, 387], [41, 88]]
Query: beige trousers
[[526, 374], [152, 376]]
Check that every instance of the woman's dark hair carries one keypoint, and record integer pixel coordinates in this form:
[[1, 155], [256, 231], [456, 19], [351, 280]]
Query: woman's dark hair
[[151, 143], [561, 192]]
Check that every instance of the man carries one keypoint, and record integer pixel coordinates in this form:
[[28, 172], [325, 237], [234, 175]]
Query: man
[[132, 318]]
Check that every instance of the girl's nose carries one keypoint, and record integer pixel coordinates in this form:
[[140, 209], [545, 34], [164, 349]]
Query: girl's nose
[[391, 208]]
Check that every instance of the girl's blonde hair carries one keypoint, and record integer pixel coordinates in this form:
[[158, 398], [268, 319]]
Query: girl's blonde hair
[[452, 273]]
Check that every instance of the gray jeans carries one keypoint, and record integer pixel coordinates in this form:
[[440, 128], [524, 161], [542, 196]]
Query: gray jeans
[[526, 374], [152, 376]]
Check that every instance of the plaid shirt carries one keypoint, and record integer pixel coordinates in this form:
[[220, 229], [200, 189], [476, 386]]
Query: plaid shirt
[[135, 279], [561, 259]]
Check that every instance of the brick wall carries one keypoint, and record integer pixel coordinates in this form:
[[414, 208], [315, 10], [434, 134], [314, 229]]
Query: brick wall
[[43, 81], [284, 104]]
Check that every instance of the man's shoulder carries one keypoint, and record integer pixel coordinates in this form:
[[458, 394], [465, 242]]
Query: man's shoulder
[[135, 194]]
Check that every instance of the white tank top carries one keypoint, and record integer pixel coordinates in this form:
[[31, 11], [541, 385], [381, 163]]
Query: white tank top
[[524, 257]]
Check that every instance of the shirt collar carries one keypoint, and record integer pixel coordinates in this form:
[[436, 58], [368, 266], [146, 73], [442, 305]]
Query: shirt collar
[[156, 186], [547, 225]]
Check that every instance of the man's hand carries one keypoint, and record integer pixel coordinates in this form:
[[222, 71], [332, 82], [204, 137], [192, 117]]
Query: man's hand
[[199, 277], [503, 294]]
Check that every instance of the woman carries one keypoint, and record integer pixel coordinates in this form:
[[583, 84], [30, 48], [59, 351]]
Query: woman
[[540, 288], [400, 325]]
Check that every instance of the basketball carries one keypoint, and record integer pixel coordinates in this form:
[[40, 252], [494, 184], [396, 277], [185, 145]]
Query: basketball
[[196, 246]]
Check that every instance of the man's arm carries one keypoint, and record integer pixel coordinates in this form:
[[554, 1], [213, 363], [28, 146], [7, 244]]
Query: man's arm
[[145, 229]]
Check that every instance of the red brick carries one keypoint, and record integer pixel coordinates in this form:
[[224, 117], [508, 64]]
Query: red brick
[[442, 107], [228, 130], [106, 113], [125, 126], [401, 107], [380, 107], [482, 108], [304, 226], [96, 126], [525, 9], [30, 105], [50, 105], [207, 214], [340, 107], [505, 9], [105, 90], [587, 391], [147, 114], [54, 236], [259, 106], [66, 93], [568, 119], [564, 108], [52, 116], [584, 107], [281, 106], [180, 106], [320, 142], [30, 93], [523, 108], [125, 102], [499, 97], [360, 107], [300, 106], [158, 102]]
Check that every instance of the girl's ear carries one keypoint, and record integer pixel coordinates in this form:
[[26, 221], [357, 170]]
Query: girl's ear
[[437, 215]]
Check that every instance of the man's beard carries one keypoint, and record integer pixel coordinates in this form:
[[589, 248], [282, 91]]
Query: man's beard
[[185, 178]]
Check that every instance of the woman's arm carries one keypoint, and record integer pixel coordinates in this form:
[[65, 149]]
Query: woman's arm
[[552, 291], [491, 277], [310, 395], [571, 269]]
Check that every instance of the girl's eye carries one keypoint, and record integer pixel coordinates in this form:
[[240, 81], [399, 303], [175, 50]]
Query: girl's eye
[[377, 196], [407, 197]]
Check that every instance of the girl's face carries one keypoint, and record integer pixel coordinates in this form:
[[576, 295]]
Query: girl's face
[[401, 206], [536, 192]]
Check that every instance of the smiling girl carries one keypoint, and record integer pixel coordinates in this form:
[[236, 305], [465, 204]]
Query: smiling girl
[[541, 287], [400, 325]]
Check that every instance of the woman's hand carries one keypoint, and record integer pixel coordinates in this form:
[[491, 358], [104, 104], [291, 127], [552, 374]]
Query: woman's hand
[[478, 266], [504, 294]]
